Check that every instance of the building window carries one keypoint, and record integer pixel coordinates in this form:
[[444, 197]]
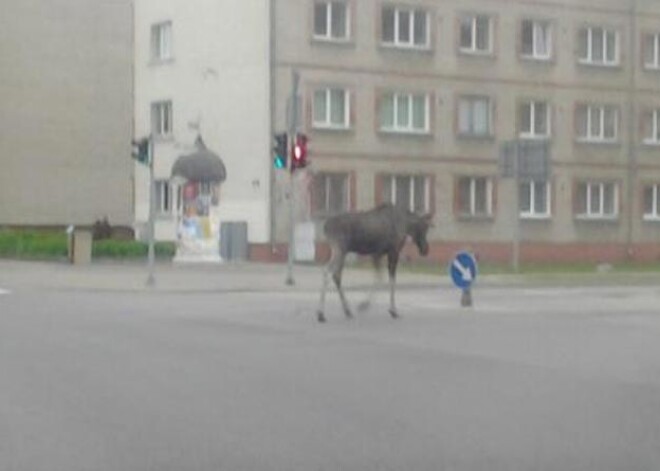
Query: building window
[[405, 27], [651, 47], [161, 41], [534, 200], [161, 118], [598, 46], [330, 193], [476, 35], [534, 120], [405, 112], [597, 200], [597, 123], [474, 116], [411, 192], [163, 197], [331, 21], [652, 202], [475, 196], [536, 40], [331, 108], [651, 124]]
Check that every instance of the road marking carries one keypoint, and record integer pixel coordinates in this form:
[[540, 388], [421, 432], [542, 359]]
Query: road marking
[[4, 291]]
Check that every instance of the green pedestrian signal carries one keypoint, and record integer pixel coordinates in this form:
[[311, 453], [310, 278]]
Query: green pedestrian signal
[[280, 151], [141, 150]]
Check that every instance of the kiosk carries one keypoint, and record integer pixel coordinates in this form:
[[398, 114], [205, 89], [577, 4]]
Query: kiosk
[[200, 175]]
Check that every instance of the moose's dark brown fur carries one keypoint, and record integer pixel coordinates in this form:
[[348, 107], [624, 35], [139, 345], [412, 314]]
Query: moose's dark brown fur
[[379, 232]]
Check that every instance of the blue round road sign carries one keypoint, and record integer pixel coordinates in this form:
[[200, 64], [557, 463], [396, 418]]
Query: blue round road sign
[[463, 270]]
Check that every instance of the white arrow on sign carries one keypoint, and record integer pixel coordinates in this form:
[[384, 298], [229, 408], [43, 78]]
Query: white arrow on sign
[[465, 272]]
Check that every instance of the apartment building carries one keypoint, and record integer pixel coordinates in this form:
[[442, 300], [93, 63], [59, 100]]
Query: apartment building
[[204, 70], [66, 115], [410, 102]]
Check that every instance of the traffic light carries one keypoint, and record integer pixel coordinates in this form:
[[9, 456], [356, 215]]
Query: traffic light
[[280, 150], [299, 152], [141, 150]]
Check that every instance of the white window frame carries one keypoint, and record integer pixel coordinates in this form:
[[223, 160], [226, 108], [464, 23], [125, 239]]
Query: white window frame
[[473, 197], [409, 44], [599, 111], [330, 6], [531, 132], [161, 118], [655, 41], [472, 47], [179, 198], [397, 97], [327, 123], [161, 41], [164, 196], [654, 215], [539, 27], [605, 31], [326, 178], [471, 100], [590, 213], [532, 213], [411, 202], [654, 138]]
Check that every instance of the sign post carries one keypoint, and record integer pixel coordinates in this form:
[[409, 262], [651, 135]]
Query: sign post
[[463, 272], [522, 159]]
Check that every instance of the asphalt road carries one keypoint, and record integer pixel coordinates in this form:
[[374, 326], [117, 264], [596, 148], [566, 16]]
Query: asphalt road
[[530, 379]]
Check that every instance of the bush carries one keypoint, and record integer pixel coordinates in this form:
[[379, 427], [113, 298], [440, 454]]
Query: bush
[[33, 244], [125, 249], [54, 245]]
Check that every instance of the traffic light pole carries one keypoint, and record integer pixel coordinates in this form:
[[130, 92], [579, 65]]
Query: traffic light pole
[[151, 279], [293, 127]]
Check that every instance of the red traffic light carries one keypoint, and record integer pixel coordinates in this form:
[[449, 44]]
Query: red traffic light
[[299, 152]]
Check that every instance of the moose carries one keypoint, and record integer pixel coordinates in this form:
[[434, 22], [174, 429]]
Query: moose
[[379, 232]]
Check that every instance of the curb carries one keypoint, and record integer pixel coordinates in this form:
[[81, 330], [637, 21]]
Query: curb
[[248, 278]]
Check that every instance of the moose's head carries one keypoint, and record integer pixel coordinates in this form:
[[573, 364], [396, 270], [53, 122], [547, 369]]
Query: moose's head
[[417, 229]]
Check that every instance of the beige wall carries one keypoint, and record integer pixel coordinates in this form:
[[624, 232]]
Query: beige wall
[[365, 67], [66, 114]]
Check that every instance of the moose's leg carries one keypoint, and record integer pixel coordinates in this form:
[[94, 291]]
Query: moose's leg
[[320, 313], [392, 261], [378, 276], [336, 276]]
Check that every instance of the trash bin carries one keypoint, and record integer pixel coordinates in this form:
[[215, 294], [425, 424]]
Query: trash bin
[[79, 245], [69, 243]]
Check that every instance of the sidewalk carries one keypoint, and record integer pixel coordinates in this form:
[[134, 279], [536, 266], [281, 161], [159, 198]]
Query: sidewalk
[[256, 277], [230, 277]]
